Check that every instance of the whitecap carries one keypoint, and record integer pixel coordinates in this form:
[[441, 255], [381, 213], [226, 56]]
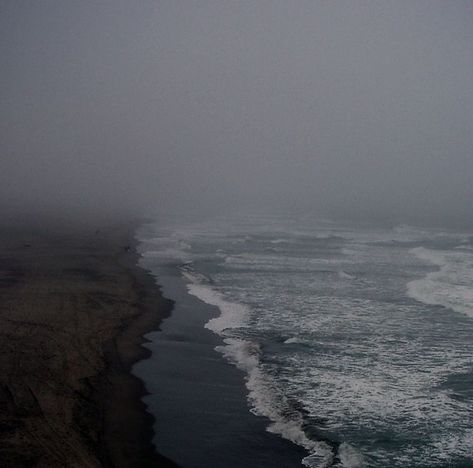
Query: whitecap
[[344, 275], [295, 340], [451, 286], [232, 315], [350, 457]]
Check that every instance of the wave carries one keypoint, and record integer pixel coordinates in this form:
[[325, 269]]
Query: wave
[[295, 340], [264, 398], [342, 274], [406, 232], [273, 262], [451, 286], [165, 247], [350, 457], [464, 247], [232, 315], [330, 373], [280, 241]]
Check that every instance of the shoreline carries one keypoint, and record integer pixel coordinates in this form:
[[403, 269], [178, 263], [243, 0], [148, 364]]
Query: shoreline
[[74, 306], [121, 354], [195, 390]]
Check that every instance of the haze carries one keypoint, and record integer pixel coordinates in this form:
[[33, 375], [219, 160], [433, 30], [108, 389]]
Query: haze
[[360, 109]]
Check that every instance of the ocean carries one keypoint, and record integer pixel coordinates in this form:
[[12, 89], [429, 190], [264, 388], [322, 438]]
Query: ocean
[[353, 342]]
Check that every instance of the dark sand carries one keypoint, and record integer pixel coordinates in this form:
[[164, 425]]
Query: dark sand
[[73, 309]]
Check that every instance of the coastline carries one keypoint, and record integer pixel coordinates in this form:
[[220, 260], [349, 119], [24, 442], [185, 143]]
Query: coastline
[[74, 306], [195, 390]]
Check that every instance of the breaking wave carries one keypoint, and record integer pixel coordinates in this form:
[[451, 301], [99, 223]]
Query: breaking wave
[[263, 395], [451, 285]]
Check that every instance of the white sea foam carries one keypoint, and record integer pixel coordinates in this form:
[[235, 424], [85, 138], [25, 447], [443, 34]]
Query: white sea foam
[[464, 247], [244, 354], [451, 286], [267, 401], [280, 241], [232, 315], [370, 362], [344, 275], [295, 340], [350, 457], [459, 443], [262, 395]]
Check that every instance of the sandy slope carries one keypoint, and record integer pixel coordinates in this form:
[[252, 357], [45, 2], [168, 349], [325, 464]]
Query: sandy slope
[[72, 309]]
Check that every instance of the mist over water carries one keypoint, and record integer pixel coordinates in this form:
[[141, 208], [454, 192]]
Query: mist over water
[[341, 125], [357, 110], [355, 341]]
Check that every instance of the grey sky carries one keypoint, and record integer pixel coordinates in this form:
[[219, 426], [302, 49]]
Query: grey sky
[[355, 108]]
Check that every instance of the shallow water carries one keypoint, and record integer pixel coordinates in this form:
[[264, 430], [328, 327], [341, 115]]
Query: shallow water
[[355, 341]]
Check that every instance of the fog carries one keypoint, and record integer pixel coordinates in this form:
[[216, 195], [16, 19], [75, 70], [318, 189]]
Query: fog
[[360, 109]]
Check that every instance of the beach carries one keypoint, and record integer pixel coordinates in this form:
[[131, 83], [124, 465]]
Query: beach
[[73, 309]]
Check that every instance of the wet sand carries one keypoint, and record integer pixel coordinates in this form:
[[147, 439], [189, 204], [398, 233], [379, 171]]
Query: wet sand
[[73, 309], [200, 395]]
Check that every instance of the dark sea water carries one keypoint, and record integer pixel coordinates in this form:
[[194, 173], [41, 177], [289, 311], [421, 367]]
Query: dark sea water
[[354, 343]]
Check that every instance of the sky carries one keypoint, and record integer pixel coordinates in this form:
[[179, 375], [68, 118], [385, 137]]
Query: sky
[[355, 109]]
